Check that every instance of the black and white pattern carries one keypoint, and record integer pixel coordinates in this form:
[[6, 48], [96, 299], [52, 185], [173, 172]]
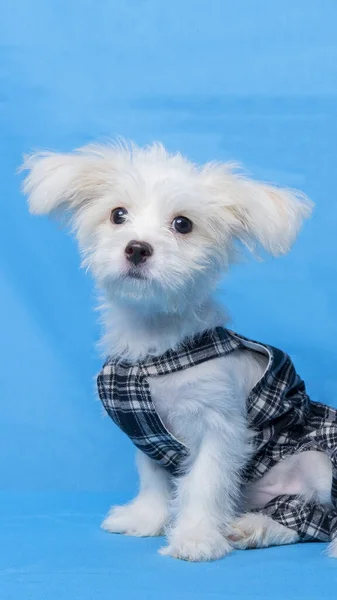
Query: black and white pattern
[[279, 410]]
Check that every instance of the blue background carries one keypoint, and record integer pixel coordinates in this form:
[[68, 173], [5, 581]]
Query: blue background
[[250, 81]]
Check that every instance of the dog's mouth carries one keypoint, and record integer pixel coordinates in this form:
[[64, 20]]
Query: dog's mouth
[[135, 274]]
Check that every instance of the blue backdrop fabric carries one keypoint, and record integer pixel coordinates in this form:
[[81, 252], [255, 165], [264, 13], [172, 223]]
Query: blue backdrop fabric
[[251, 81]]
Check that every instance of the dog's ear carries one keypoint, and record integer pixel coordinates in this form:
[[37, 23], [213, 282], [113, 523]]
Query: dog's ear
[[59, 181], [257, 212]]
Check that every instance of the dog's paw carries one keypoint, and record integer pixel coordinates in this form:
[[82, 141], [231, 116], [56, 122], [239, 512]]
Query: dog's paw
[[255, 530], [196, 545], [137, 519]]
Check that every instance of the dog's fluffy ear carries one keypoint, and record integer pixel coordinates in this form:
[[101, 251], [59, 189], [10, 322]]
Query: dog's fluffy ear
[[257, 212], [59, 181]]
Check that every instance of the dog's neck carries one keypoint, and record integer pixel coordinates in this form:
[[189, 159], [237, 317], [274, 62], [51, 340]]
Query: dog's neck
[[134, 332]]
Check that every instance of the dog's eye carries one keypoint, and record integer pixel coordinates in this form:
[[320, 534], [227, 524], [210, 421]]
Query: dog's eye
[[118, 215], [182, 225]]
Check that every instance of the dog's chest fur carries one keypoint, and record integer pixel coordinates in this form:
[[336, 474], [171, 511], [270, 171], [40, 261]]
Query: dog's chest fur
[[206, 396]]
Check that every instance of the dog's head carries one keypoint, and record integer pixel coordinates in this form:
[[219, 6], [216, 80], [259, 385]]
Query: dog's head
[[154, 227]]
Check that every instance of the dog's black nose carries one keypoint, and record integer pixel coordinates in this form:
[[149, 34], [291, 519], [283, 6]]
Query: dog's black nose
[[138, 252]]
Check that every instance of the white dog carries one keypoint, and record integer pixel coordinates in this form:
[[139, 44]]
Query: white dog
[[158, 233]]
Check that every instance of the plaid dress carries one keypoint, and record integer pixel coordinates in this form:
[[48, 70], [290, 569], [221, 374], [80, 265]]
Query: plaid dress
[[284, 419]]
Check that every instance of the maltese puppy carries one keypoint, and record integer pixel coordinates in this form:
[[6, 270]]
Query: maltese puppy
[[158, 233]]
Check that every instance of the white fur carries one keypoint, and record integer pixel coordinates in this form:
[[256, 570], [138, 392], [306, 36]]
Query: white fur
[[308, 474], [203, 406], [148, 514], [256, 530], [332, 549]]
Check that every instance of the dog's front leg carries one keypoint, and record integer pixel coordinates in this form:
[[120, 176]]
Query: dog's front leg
[[207, 495], [148, 513]]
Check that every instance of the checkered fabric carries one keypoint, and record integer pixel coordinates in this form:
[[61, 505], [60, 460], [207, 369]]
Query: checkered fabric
[[279, 410]]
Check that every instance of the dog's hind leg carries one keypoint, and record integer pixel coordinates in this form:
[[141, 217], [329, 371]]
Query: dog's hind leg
[[256, 530]]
